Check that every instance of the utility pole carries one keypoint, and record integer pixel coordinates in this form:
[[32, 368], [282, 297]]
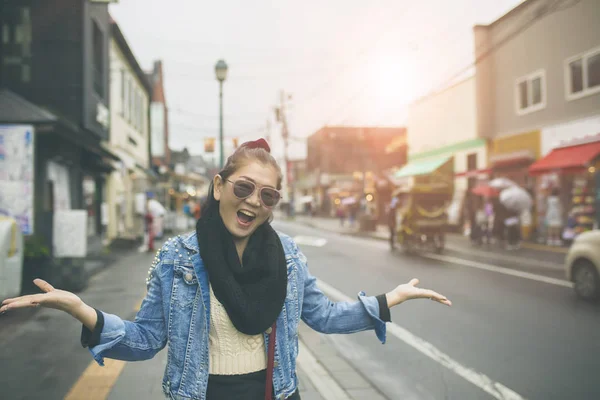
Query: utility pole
[[281, 117]]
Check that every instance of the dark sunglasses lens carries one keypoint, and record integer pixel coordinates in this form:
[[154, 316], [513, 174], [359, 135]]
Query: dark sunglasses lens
[[243, 189], [269, 197]]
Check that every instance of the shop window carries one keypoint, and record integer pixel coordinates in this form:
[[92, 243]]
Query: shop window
[[531, 93], [98, 59], [582, 74]]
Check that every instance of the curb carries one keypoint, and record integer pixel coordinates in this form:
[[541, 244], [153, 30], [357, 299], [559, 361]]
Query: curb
[[526, 245]]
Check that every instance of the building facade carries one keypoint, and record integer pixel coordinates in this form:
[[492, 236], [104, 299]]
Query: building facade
[[444, 125], [130, 95], [538, 90], [54, 71], [347, 162]]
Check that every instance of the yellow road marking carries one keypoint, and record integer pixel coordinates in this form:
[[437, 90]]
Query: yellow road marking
[[96, 382]]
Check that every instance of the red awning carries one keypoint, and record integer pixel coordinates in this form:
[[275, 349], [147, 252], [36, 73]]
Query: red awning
[[567, 159]]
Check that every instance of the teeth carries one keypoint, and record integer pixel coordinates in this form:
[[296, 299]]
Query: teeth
[[249, 214]]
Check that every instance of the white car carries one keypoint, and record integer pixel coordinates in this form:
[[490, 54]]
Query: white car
[[583, 265]]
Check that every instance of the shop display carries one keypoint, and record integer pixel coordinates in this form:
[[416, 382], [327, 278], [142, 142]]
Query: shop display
[[583, 210]]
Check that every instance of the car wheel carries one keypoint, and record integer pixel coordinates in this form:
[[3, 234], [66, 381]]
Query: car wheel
[[586, 281]]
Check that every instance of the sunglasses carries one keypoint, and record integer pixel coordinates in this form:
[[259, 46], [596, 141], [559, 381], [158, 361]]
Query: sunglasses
[[242, 189]]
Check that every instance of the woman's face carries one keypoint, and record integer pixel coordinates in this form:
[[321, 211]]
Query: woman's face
[[243, 216]]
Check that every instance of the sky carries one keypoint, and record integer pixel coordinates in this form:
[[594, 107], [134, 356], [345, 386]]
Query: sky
[[340, 62]]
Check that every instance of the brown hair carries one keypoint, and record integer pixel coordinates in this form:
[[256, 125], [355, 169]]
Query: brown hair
[[243, 155]]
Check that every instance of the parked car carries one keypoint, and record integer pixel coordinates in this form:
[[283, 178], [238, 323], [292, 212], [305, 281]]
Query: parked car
[[583, 265]]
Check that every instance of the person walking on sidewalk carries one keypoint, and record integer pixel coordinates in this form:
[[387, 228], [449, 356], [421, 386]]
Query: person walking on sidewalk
[[391, 216], [228, 298]]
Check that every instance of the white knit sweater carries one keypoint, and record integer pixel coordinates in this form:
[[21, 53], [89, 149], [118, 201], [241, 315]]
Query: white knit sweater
[[230, 351]]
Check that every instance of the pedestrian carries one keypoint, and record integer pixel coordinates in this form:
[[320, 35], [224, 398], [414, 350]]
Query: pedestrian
[[489, 226], [554, 218], [391, 216], [228, 298], [197, 210], [341, 214], [513, 231]]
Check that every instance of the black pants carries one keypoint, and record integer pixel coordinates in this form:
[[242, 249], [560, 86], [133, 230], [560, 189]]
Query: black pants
[[392, 237], [513, 234], [243, 387]]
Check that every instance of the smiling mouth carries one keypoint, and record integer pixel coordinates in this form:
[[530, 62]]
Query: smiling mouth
[[245, 217]]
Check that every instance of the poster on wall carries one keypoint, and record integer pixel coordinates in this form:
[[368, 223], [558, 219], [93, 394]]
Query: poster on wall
[[16, 174], [70, 233]]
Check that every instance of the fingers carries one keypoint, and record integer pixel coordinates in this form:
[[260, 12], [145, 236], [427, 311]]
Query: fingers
[[42, 284], [20, 302], [435, 296], [414, 282]]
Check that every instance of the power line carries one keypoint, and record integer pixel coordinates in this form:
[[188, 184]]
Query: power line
[[542, 12]]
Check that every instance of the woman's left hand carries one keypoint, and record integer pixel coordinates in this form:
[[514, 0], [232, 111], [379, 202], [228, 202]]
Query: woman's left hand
[[409, 291]]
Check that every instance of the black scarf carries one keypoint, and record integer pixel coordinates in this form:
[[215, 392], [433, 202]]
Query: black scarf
[[252, 294]]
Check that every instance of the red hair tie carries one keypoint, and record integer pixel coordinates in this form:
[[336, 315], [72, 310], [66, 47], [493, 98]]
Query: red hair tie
[[257, 144]]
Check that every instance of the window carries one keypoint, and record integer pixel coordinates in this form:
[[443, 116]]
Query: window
[[16, 41], [582, 74], [123, 92], [472, 162], [98, 59], [531, 93]]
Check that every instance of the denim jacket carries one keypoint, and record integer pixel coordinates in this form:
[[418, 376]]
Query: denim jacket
[[176, 311]]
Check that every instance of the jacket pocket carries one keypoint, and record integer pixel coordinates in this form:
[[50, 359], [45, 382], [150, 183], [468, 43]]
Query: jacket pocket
[[185, 285]]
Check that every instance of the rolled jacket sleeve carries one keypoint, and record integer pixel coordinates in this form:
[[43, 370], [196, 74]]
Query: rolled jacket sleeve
[[325, 316]]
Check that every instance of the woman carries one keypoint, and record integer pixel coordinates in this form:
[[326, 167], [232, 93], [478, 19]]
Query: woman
[[227, 298], [554, 218]]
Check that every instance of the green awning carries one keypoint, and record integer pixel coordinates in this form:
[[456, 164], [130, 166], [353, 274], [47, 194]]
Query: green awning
[[421, 167]]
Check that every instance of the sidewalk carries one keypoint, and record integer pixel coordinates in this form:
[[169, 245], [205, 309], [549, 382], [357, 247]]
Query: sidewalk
[[553, 257]]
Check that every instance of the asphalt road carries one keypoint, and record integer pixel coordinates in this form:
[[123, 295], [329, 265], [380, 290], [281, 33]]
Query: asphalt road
[[534, 338], [514, 337]]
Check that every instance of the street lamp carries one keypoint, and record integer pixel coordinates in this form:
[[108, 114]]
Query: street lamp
[[221, 73]]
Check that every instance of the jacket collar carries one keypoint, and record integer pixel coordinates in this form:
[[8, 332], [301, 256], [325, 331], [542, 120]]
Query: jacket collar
[[190, 242]]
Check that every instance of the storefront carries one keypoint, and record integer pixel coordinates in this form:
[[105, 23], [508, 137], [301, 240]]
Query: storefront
[[511, 156], [571, 172]]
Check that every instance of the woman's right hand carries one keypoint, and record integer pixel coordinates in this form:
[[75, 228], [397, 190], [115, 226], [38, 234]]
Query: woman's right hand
[[51, 298]]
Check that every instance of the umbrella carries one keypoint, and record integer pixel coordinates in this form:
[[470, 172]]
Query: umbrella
[[485, 191], [502, 183], [516, 199]]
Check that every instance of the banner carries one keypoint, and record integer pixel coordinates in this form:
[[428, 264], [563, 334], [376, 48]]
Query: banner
[[209, 145], [16, 174]]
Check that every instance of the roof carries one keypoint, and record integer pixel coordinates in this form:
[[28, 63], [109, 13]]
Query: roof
[[423, 167], [14, 109], [509, 13], [128, 53]]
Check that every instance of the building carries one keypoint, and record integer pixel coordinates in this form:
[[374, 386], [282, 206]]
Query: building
[[159, 134], [159, 117], [130, 95], [538, 91], [443, 126], [347, 162], [54, 71]]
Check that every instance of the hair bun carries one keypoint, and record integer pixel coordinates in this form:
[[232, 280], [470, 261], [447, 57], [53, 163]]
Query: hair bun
[[257, 144]]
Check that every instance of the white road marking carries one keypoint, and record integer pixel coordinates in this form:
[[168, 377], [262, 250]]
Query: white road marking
[[495, 389], [500, 270], [310, 241], [319, 377]]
